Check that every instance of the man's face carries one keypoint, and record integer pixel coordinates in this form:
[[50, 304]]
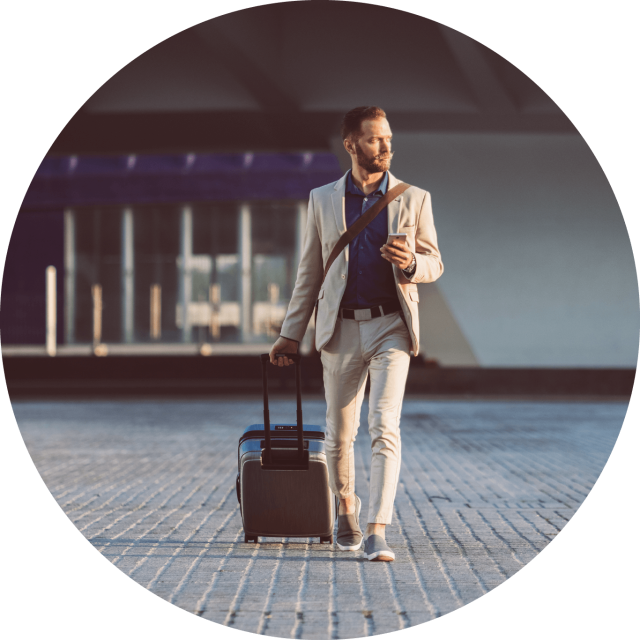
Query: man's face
[[373, 148]]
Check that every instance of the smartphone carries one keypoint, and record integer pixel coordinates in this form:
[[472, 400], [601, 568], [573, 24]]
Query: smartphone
[[402, 237]]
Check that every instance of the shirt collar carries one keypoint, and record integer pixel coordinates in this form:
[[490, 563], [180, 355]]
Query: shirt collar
[[381, 190]]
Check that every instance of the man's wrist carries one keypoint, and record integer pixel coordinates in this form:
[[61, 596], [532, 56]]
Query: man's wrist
[[292, 340], [411, 269]]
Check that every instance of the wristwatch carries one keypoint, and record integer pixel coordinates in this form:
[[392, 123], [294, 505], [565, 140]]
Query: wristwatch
[[411, 269]]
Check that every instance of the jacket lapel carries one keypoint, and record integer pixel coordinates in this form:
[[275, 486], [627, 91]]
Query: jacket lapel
[[394, 207], [337, 200]]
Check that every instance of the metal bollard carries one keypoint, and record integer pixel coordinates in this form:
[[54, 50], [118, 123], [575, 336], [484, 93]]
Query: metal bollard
[[99, 349], [155, 330]]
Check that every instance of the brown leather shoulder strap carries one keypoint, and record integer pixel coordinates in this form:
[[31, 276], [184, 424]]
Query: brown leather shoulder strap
[[362, 222]]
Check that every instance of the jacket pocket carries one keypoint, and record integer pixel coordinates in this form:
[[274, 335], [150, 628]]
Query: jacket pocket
[[414, 296], [321, 294]]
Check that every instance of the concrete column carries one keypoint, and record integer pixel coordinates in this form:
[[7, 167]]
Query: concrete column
[[51, 303], [69, 276], [127, 276], [244, 251], [184, 281]]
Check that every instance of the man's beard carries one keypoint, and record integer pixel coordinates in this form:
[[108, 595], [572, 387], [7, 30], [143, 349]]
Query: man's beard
[[377, 164]]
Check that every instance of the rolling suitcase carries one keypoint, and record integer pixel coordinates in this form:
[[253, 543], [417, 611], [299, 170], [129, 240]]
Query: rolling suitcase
[[282, 483]]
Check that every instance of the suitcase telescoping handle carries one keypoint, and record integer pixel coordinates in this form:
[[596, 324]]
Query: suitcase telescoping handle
[[265, 392]]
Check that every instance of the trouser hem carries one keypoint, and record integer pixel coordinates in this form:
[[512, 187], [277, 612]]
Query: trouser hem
[[342, 495], [380, 520]]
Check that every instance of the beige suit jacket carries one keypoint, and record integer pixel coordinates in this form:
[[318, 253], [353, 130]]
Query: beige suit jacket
[[410, 213]]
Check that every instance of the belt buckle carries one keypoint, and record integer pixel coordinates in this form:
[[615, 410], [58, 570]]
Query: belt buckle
[[362, 314]]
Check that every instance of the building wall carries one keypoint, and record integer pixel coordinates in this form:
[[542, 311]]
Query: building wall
[[539, 269]]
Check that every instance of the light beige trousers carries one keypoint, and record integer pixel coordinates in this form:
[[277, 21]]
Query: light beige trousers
[[380, 348]]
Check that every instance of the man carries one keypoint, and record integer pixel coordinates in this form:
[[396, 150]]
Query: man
[[367, 321]]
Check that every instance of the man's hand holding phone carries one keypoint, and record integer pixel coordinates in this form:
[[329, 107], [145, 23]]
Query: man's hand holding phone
[[396, 252], [282, 345]]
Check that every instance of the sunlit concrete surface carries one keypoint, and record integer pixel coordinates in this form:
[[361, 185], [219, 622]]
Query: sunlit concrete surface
[[485, 486]]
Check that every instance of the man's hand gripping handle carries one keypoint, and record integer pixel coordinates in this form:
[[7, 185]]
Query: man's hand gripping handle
[[282, 345]]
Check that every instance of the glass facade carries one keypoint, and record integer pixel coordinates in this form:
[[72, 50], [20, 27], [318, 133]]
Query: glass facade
[[231, 266], [97, 256], [181, 253]]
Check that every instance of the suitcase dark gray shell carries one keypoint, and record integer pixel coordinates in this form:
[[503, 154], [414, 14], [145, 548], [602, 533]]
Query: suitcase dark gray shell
[[282, 483]]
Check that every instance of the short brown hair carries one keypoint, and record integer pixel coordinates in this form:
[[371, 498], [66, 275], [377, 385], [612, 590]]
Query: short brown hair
[[352, 121]]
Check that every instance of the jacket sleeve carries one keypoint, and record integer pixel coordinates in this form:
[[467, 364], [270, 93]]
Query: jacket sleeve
[[308, 281], [428, 262]]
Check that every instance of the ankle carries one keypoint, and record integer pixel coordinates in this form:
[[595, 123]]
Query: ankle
[[347, 505], [375, 529]]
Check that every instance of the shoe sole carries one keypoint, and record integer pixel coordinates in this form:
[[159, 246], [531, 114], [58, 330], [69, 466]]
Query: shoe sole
[[353, 547], [380, 556]]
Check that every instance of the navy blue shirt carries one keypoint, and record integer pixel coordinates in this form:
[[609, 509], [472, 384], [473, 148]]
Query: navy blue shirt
[[370, 280]]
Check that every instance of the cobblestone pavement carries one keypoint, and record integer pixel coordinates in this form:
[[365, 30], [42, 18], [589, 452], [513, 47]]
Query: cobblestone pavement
[[485, 486]]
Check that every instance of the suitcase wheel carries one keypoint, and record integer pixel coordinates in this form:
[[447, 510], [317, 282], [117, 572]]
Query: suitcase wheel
[[328, 539], [250, 538]]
